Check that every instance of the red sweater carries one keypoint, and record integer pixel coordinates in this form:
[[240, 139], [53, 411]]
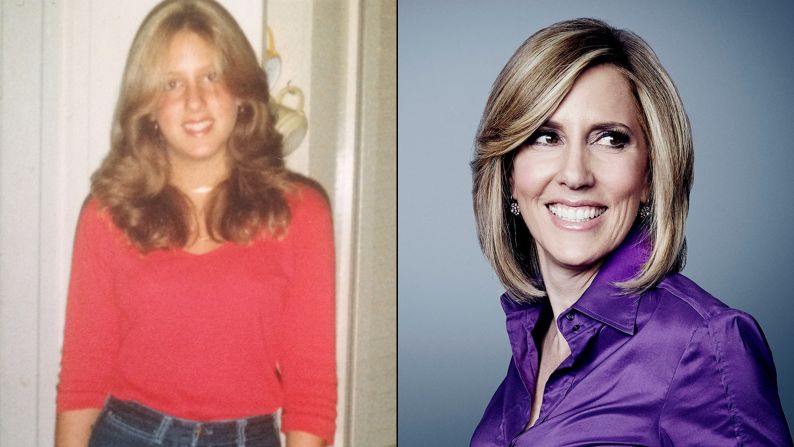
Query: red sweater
[[236, 332]]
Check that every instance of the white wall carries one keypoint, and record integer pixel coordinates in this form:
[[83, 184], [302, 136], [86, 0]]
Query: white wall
[[60, 66]]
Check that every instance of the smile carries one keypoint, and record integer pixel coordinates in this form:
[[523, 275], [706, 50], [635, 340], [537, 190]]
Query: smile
[[198, 126], [576, 214]]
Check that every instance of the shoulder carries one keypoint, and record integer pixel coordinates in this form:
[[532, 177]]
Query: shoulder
[[97, 223], [687, 306], [92, 209], [96, 234], [96, 217], [308, 202], [310, 212], [681, 294], [307, 196], [687, 312], [724, 383]]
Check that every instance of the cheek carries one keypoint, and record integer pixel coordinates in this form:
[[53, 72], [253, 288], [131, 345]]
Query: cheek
[[226, 105], [636, 183], [624, 177], [530, 175], [166, 110]]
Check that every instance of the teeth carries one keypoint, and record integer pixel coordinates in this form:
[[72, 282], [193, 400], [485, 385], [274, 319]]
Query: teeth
[[198, 126], [576, 214]]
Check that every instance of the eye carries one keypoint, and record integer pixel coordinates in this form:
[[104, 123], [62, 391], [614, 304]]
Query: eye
[[544, 138], [613, 138], [171, 84]]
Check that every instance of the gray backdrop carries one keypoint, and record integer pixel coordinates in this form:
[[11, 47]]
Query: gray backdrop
[[732, 64]]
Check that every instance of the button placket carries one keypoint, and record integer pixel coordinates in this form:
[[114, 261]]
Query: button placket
[[570, 316], [560, 381]]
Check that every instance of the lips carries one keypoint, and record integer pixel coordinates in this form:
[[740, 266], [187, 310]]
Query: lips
[[581, 213], [197, 127]]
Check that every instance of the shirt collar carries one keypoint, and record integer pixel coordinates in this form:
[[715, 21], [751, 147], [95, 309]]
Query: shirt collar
[[603, 300]]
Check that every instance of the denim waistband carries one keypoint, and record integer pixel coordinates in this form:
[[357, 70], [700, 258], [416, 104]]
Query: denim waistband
[[156, 425]]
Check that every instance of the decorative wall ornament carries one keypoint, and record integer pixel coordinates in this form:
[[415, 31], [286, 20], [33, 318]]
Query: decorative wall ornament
[[272, 60], [291, 122]]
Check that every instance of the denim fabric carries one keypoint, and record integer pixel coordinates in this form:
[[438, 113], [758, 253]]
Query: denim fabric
[[129, 424]]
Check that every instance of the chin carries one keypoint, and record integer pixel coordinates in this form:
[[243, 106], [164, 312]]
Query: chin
[[576, 257], [579, 263]]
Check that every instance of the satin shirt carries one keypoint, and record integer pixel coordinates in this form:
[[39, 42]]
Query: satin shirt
[[671, 366]]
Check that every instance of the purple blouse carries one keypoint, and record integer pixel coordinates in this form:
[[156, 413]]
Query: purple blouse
[[671, 366]]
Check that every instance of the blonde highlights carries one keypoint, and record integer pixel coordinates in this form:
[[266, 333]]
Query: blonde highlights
[[528, 90], [133, 181]]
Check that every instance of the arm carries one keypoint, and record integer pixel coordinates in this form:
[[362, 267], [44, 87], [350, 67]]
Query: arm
[[73, 428], [91, 331], [307, 359], [724, 391]]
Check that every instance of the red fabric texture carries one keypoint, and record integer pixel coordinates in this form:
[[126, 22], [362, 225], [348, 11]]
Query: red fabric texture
[[236, 332]]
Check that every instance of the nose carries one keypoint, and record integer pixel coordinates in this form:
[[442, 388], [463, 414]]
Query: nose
[[194, 98], [575, 171]]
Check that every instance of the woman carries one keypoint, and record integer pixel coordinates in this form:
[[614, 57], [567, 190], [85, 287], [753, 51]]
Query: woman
[[202, 291], [582, 173]]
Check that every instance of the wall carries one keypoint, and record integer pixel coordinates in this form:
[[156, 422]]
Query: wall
[[373, 401]]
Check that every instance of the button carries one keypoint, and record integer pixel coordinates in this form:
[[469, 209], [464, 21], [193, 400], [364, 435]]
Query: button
[[576, 327], [569, 316]]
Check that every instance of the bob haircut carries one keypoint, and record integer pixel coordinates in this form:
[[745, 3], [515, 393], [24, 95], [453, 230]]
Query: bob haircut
[[132, 182], [526, 93]]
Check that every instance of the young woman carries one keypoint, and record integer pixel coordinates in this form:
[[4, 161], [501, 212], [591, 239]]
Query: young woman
[[202, 291]]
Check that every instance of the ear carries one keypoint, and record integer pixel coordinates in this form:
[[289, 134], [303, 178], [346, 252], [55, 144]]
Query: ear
[[645, 196], [151, 113]]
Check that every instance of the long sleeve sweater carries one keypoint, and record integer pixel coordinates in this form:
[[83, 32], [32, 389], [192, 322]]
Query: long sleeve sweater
[[239, 331]]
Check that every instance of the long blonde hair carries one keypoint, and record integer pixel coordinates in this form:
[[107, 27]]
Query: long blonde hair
[[526, 93], [133, 181]]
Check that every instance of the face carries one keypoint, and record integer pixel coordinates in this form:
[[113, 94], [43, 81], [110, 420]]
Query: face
[[581, 177], [195, 112]]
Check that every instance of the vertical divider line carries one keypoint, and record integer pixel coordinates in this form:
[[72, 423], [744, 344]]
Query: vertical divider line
[[2, 62]]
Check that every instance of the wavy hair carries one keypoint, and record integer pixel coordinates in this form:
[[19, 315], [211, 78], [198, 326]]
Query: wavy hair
[[526, 93], [133, 181]]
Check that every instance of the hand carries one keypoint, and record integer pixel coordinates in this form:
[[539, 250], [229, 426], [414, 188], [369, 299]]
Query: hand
[[73, 428], [303, 439]]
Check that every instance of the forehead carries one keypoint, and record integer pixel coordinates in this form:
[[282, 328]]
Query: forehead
[[186, 49], [601, 93]]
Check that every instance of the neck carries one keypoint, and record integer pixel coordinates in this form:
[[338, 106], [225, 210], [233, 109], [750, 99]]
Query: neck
[[565, 286], [197, 180]]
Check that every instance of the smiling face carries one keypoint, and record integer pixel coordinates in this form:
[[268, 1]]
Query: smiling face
[[581, 177], [195, 112]]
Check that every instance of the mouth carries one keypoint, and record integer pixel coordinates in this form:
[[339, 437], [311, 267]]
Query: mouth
[[576, 213], [197, 127]]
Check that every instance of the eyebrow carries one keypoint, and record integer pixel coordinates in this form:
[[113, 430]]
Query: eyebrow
[[606, 125], [200, 69]]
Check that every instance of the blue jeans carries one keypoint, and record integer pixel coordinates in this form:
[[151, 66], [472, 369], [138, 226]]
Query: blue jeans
[[129, 424]]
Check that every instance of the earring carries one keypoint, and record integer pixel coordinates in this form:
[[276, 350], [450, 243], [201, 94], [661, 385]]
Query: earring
[[514, 207], [645, 211]]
